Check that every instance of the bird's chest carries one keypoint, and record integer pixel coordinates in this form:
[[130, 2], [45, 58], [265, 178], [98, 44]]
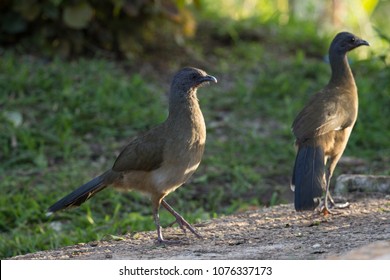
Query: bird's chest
[[186, 149], [187, 138], [349, 102], [182, 155]]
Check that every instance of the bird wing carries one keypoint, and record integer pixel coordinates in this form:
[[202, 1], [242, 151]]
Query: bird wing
[[320, 116], [143, 153]]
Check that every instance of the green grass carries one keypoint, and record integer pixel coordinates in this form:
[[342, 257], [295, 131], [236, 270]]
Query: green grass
[[64, 122]]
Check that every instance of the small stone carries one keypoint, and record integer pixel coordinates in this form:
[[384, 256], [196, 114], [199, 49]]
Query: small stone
[[347, 183]]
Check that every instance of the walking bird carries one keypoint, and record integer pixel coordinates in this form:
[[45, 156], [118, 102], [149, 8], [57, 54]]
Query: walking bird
[[161, 160]]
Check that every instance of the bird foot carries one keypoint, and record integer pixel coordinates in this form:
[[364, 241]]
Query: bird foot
[[177, 221], [341, 205], [162, 241], [338, 205], [183, 224], [326, 211], [324, 208]]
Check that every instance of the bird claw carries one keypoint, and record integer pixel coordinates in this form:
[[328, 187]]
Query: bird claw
[[325, 209], [341, 205], [180, 223], [183, 224]]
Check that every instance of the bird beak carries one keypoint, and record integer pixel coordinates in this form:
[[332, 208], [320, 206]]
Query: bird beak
[[209, 78], [362, 42], [205, 80]]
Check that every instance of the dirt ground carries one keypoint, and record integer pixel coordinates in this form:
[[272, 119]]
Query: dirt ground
[[267, 233]]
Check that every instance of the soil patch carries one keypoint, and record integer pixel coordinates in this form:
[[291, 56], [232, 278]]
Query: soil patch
[[267, 233]]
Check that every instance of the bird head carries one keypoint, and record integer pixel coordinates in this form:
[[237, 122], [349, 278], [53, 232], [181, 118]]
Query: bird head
[[189, 79], [345, 42]]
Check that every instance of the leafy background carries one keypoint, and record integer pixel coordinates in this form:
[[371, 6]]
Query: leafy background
[[78, 79]]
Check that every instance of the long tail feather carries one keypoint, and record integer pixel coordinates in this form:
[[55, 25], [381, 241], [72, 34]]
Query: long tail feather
[[308, 177], [80, 195]]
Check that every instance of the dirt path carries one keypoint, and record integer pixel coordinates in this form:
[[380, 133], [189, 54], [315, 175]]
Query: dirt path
[[267, 233]]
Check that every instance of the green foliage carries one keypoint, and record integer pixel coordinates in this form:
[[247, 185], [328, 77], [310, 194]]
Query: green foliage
[[67, 27], [42, 103]]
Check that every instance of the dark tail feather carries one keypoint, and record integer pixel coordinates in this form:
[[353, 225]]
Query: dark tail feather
[[308, 177], [82, 194]]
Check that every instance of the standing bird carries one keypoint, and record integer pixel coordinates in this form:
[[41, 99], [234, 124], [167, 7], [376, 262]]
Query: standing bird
[[162, 159], [323, 127]]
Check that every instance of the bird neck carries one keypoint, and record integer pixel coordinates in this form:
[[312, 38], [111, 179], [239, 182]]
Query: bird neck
[[185, 107], [341, 72]]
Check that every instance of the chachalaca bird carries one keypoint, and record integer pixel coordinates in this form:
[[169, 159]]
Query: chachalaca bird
[[161, 160], [323, 127]]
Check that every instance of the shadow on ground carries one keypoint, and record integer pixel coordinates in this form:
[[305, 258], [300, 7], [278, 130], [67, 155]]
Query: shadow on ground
[[267, 233]]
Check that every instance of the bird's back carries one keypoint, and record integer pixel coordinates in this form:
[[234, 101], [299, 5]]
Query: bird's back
[[332, 109]]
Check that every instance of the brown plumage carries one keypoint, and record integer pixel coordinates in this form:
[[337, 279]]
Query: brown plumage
[[323, 127], [162, 159]]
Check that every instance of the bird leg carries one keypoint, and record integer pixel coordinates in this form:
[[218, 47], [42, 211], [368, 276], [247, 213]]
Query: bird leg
[[183, 224], [324, 206], [338, 205], [156, 217]]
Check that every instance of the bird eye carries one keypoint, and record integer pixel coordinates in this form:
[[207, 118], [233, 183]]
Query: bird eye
[[353, 39]]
